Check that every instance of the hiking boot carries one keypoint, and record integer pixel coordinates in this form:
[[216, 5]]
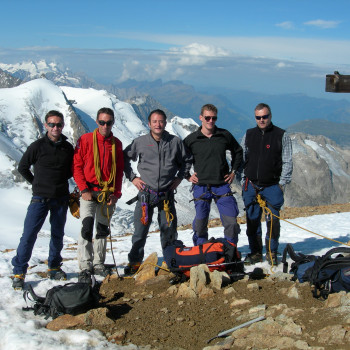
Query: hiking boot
[[18, 281], [252, 259], [131, 269], [102, 270], [274, 261], [56, 273], [85, 277]]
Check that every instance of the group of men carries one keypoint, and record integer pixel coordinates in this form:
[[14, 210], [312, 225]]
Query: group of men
[[263, 161]]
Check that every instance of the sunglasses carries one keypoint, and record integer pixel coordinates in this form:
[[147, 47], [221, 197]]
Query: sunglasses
[[262, 117], [52, 125], [208, 118], [102, 122]]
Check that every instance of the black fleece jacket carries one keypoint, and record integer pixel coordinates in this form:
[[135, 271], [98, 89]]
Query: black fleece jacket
[[209, 155], [52, 166]]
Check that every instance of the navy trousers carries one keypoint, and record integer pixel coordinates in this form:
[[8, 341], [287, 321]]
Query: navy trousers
[[35, 218], [273, 195], [227, 207]]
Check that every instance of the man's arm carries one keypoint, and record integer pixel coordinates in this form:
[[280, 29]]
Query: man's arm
[[119, 168], [184, 161], [240, 171], [27, 160], [236, 154], [131, 154], [78, 168], [287, 160]]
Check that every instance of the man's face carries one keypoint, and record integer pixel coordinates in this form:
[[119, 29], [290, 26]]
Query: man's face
[[54, 126], [263, 118], [157, 124], [105, 123], [208, 120]]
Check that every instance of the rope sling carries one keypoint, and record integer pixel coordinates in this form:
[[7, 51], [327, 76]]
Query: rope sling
[[105, 185]]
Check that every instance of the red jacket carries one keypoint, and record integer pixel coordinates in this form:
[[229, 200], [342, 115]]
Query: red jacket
[[83, 162]]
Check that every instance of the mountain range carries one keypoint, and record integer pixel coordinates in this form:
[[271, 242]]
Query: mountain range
[[236, 107]]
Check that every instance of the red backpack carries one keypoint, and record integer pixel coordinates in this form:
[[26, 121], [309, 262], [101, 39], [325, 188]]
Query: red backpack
[[218, 254]]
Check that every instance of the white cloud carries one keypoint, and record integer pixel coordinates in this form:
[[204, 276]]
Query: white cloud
[[323, 24], [285, 25], [281, 65], [197, 54]]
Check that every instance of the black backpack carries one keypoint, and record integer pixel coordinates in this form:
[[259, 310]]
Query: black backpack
[[71, 298], [329, 273]]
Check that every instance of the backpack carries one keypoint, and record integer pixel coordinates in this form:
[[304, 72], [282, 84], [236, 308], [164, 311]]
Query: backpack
[[218, 254], [329, 273], [71, 298]]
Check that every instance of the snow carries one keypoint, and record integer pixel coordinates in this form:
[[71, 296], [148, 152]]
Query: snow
[[23, 330]]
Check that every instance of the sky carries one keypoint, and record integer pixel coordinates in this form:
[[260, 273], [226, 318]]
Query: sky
[[272, 46], [22, 330]]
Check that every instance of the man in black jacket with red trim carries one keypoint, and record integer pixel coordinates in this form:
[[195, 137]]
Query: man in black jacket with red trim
[[268, 166], [51, 157]]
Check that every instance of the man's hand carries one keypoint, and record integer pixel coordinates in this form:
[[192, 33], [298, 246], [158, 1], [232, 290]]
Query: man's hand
[[176, 182], [86, 196], [193, 178], [229, 177], [112, 200], [138, 183]]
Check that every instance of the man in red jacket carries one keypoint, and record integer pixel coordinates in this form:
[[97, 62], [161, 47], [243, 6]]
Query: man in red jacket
[[98, 166]]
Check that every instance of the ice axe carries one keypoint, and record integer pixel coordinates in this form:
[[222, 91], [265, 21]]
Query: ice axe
[[222, 334]]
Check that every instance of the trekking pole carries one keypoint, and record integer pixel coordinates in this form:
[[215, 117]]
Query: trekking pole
[[222, 334]]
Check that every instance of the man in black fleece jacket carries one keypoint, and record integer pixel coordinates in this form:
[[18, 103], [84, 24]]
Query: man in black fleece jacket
[[212, 177], [51, 157]]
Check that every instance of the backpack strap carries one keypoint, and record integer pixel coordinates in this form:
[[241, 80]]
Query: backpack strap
[[294, 256]]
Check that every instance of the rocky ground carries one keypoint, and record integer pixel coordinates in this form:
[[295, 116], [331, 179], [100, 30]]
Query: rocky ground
[[154, 314]]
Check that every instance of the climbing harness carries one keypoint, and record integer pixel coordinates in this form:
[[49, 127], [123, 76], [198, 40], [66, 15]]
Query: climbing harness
[[215, 196], [145, 203]]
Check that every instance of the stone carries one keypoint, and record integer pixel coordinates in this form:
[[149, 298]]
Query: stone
[[333, 300], [206, 293], [66, 322], [229, 290], [118, 337], [147, 271], [253, 287], [98, 317], [331, 335], [185, 291], [293, 292], [199, 277], [239, 302]]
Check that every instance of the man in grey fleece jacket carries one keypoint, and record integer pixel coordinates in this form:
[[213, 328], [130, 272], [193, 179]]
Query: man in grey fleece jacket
[[162, 164]]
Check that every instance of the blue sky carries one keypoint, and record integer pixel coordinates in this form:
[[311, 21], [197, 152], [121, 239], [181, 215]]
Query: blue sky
[[271, 46]]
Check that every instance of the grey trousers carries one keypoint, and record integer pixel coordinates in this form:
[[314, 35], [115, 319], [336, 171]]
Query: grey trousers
[[93, 253], [168, 233]]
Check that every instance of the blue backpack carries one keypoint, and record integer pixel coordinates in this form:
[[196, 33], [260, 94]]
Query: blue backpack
[[329, 273]]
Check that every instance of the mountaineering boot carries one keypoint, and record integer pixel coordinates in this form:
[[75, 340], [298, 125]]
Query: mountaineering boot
[[85, 277], [18, 281], [274, 260], [131, 269], [252, 259], [102, 270], [56, 273]]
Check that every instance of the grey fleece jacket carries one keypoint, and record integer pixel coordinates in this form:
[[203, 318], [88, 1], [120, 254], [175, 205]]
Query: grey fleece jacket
[[158, 164]]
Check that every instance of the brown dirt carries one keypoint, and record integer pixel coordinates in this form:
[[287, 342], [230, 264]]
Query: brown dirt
[[151, 316]]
